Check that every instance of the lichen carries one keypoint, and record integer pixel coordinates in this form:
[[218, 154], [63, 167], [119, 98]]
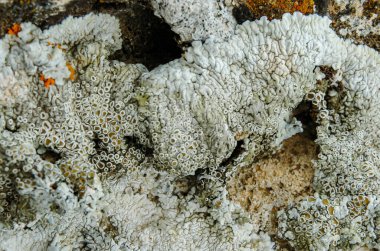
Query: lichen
[[71, 148], [276, 8], [109, 156], [203, 19]]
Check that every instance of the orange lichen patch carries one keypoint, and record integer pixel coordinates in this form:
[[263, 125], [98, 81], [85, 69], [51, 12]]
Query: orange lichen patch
[[72, 71], [47, 81], [15, 29], [276, 181], [274, 9]]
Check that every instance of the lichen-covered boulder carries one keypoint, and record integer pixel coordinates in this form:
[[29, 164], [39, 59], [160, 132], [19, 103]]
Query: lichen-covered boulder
[[102, 155]]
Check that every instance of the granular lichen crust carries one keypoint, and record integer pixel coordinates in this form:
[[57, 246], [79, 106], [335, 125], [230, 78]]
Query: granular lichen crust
[[223, 93], [59, 118], [213, 88], [70, 148]]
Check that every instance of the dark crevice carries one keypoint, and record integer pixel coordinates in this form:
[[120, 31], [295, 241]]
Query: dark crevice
[[134, 142], [303, 113], [235, 153], [321, 7], [184, 184], [242, 13], [98, 143], [146, 38], [282, 244], [51, 156]]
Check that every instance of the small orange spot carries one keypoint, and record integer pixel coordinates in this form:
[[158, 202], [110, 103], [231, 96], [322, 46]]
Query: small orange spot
[[72, 71], [47, 82], [14, 30]]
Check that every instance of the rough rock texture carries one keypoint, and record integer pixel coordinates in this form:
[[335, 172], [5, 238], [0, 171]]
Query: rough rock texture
[[275, 181], [357, 20]]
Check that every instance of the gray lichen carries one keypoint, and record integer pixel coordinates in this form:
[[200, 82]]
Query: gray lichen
[[203, 19], [109, 156]]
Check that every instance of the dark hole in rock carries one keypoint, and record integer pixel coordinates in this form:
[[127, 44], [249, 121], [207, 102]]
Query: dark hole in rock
[[242, 13], [282, 244], [153, 198], [54, 186], [51, 156], [133, 141], [302, 113], [98, 143], [235, 153], [184, 184], [321, 6]]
